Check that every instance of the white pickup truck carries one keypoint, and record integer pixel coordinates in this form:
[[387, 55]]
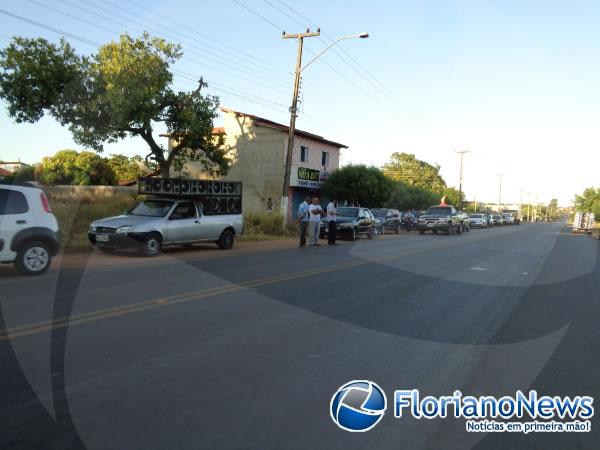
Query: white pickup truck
[[161, 221]]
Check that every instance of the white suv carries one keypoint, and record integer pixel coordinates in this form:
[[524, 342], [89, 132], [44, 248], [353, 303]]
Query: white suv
[[28, 229]]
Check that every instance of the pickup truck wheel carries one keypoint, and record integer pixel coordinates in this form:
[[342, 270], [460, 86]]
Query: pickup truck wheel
[[459, 229], [226, 240], [33, 258], [423, 231], [449, 228], [152, 244]]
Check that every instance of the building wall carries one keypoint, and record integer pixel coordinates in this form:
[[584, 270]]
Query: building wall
[[315, 149], [258, 161]]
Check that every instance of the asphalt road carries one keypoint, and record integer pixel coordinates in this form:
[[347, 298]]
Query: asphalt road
[[206, 349]]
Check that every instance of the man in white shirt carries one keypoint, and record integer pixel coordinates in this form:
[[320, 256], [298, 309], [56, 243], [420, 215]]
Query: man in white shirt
[[331, 221], [314, 222]]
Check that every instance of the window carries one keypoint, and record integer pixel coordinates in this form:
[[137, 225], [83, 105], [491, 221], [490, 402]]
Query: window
[[185, 211], [303, 154], [325, 159], [12, 202]]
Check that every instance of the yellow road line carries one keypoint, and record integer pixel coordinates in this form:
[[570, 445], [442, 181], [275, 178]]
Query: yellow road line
[[92, 316]]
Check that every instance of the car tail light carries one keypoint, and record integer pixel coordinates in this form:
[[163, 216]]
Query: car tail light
[[45, 203]]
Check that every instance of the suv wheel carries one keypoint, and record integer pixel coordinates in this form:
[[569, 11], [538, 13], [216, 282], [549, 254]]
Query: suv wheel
[[226, 240], [449, 228], [33, 258], [152, 244]]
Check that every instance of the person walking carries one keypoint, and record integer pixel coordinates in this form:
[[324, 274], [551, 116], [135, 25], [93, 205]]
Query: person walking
[[314, 221], [303, 217], [331, 222]]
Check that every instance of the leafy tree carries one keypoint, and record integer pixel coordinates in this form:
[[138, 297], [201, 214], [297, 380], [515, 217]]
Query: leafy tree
[[405, 197], [452, 196], [24, 173], [70, 167], [128, 168], [360, 185], [589, 201], [409, 170], [122, 90]]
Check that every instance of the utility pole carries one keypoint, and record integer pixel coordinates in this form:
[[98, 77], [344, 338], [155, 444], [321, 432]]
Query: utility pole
[[460, 178], [521, 205], [500, 175], [293, 115]]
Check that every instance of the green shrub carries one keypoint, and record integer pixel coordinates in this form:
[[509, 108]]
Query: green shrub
[[267, 224]]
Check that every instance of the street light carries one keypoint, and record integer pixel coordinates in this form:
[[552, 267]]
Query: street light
[[343, 38], [294, 107]]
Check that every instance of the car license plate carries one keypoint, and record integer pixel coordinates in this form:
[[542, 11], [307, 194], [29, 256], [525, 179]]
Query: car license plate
[[102, 238]]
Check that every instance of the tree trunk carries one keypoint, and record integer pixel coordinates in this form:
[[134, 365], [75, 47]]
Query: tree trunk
[[165, 169]]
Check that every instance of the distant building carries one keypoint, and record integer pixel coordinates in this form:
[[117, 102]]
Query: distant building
[[4, 173], [13, 166], [258, 147]]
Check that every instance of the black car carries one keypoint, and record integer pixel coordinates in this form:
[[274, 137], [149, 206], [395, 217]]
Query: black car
[[387, 220], [352, 222], [410, 220]]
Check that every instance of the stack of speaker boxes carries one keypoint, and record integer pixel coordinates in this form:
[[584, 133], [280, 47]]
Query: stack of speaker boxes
[[583, 222], [215, 197]]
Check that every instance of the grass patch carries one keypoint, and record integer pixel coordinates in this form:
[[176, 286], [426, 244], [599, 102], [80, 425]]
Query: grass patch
[[265, 224], [75, 214]]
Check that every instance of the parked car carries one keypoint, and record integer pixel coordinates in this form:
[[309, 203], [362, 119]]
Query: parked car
[[352, 222], [478, 221], [489, 220], [440, 218], [28, 229], [158, 221], [409, 220], [497, 219], [387, 220], [464, 221]]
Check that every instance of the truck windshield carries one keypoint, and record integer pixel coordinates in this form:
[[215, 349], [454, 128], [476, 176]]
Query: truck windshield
[[443, 210], [151, 208]]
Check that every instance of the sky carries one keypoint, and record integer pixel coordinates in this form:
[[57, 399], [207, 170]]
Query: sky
[[514, 82]]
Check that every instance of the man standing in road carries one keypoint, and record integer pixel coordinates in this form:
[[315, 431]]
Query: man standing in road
[[316, 212], [331, 217], [303, 217]]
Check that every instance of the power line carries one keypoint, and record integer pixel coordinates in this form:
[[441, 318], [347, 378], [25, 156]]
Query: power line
[[49, 28], [216, 86], [260, 16], [248, 55], [355, 65], [215, 58]]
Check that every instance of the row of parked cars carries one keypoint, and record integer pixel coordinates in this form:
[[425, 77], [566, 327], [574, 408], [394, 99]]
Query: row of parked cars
[[354, 222], [29, 231]]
